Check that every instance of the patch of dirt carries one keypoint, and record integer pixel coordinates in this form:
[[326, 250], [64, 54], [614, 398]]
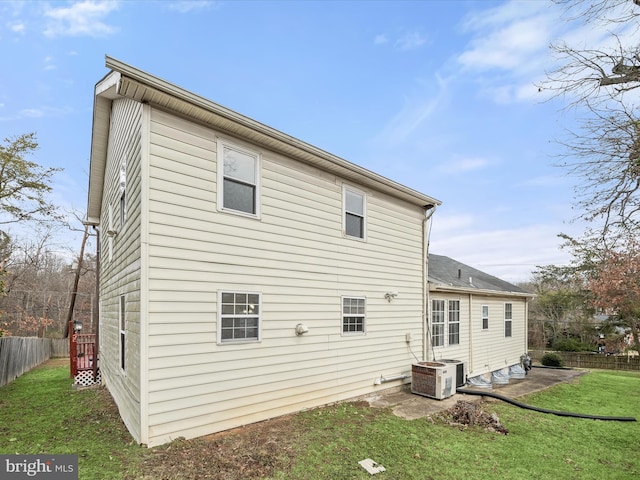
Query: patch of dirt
[[56, 362], [470, 414], [251, 452]]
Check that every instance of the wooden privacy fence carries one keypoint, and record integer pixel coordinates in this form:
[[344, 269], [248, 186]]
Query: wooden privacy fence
[[20, 354], [592, 360]]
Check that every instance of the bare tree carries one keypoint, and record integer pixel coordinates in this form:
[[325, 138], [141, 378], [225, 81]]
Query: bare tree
[[600, 82]]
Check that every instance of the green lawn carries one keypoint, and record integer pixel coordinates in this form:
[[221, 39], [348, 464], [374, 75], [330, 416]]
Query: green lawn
[[39, 413]]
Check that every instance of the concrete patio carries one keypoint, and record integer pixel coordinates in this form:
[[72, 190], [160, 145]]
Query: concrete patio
[[411, 406]]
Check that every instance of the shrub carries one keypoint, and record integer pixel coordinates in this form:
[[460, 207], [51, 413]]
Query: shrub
[[551, 360], [569, 345]]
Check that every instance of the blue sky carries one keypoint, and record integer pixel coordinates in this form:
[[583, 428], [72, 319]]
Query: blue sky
[[438, 95]]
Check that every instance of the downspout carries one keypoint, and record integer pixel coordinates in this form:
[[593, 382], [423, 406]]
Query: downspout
[[429, 210], [96, 307], [526, 325], [470, 333]]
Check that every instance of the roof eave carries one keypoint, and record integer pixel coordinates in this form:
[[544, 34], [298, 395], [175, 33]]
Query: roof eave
[[104, 93], [433, 287], [255, 131]]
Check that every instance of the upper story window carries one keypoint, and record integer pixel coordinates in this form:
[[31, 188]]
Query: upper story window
[[123, 193], [508, 319], [238, 179], [354, 204]]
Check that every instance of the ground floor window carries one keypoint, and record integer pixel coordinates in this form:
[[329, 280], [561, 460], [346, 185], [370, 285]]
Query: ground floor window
[[122, 320], [445, 322], [239, 317], [437, 323], [353, 315], [508, 319], [454, 322], [485, 317]]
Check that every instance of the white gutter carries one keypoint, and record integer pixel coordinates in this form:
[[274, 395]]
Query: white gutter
[[167, 88], [479, 291]]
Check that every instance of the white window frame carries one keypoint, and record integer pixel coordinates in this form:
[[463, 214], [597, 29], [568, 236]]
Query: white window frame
[[508, 320], [453, 323], [438, 320], [123, 193], [122, 335], [109, 235], [347, 316], [237, 316], [348, 189], [222, 145], [485, 318]]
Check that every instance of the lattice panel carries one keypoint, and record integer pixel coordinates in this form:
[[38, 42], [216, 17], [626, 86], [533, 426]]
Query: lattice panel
[[85, 378]]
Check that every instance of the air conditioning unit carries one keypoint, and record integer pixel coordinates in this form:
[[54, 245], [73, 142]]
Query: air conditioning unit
[[432, 379], [459, 374]]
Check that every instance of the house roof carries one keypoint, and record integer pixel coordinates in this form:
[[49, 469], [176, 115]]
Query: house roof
[[448, 274], [127, 81]]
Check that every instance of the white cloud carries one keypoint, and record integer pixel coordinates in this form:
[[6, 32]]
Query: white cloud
[[380, 39], [17, 27], [516, 46], [49, 63], [37, 113], [81, 18], [509, 49], [510, 254], [463, 165], [416, 111], [187, 6], [410, 41]]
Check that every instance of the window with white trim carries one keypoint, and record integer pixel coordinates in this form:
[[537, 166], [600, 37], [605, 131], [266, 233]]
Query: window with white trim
[[123, 193], [485, 317], [353, 315], [508, 319], [239, 317], [454, 322], [354, 205], [238, 179], [437, 323], [122, 321], [109, 234]]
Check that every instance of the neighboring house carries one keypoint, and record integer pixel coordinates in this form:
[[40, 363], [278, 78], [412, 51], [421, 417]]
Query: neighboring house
[[245, 274], [475, 317]]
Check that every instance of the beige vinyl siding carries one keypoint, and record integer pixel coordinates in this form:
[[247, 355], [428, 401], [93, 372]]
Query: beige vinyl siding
[[491, 348], [121, 274], [484, 351], [298, 259], [455, 352]]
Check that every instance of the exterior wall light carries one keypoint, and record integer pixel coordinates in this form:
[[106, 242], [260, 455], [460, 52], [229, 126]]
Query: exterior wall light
[[301, 329], [390, 296]]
